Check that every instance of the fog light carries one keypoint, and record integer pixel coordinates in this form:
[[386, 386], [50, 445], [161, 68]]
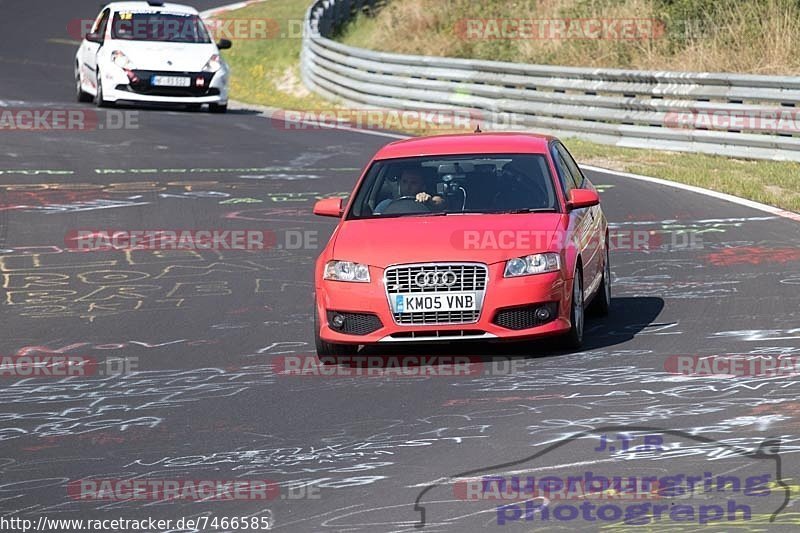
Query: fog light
[[337, 321], [542, 314]]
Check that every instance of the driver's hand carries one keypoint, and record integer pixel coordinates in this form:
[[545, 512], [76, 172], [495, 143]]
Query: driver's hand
[[423, 197]]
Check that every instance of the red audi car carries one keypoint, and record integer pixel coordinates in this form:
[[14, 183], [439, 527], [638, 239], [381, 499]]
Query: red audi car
[[483, 236]]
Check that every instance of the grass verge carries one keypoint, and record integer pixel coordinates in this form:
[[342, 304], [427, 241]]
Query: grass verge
[[774, 183], [267, 71]]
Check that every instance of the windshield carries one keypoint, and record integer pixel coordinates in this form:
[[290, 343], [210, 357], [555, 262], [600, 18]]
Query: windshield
[[154, 26], [419, 186]]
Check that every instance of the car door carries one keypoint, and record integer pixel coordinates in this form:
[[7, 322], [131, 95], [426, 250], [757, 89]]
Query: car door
[[90, 49], [596, 223], [580, 223]]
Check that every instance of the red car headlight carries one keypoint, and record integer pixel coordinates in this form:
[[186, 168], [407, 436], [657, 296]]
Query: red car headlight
[[346, 271], [532, 264]]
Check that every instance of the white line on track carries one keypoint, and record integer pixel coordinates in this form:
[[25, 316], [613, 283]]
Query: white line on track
[[699, 190]]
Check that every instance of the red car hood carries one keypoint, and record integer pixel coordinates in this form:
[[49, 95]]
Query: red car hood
[[482, 238]]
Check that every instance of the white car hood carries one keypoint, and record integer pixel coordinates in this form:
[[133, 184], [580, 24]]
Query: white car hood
[[153, 55]]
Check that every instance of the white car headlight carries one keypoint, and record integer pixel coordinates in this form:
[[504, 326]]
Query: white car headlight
[[213, 64], [346, 271], [121, 60], [532, 264]]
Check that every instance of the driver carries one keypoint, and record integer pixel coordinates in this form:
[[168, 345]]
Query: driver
[[411, 183]]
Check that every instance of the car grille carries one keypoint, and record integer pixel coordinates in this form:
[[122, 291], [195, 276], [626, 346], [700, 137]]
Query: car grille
[[356, 323], [447, 333], [469, 277], [524, 317], [400, 279], [142, 86]]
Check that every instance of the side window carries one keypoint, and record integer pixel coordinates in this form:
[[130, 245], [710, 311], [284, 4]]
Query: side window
[[571, 164], [101, 23], [564, 174]]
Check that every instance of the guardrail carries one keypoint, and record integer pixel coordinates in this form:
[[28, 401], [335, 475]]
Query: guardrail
[[736, 115]]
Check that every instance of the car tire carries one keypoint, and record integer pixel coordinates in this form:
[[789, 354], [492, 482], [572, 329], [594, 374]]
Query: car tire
[[601, 304], [218, 108], [99, 101], [82, 96], [573, 339], [325, 348]]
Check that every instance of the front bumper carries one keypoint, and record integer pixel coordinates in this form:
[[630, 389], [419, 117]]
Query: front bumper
[[205, 87], [507, 304]]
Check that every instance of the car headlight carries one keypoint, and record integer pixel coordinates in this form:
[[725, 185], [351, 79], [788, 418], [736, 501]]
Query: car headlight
[[532, 264], [121, 60], [213, 64], [346, 271]]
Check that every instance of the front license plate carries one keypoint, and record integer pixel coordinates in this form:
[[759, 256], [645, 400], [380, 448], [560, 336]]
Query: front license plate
[[170, 81], [429, 302]]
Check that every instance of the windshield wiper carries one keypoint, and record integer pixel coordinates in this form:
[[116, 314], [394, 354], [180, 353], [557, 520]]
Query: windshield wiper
[[524, 210], [431, 214], [378, 216]]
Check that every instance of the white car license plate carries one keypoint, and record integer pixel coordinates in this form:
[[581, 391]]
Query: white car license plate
[[430, 302], [170, 81]]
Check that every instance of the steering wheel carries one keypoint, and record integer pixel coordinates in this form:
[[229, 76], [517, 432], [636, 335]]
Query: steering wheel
[[406, 204]]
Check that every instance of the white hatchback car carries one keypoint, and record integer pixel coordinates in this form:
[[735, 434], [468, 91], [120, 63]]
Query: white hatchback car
[[151, 52]]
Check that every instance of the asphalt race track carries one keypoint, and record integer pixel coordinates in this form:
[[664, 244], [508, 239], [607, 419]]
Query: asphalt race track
[[194, 336]]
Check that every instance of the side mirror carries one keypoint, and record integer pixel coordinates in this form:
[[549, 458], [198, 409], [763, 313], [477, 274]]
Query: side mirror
[[329, 207], [580, 198], [224, 44], [94, 38]]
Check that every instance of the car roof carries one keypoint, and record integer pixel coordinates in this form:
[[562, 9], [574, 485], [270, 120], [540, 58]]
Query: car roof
[[144, 6], [467, 143]]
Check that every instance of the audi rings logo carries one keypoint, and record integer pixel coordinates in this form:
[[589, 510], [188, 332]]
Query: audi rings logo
[[447, 278]]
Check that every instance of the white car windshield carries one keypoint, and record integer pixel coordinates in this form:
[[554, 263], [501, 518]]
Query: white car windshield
[[156, 26]]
